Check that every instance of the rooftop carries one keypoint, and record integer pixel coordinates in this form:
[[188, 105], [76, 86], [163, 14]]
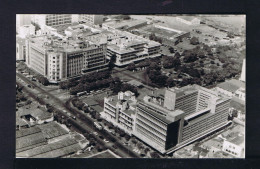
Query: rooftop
[[232, 85], [124, 23], [56, 149], [52, 130]]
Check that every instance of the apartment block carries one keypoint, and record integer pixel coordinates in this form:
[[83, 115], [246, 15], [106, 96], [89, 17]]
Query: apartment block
[[120, 110]]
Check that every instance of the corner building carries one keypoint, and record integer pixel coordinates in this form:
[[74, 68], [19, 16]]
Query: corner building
[[59, 59], [181, 117]]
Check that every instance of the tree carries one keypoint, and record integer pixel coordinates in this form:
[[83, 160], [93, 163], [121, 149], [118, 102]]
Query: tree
[[171, 49], [177, 55], [37, 27], [170, 82], [194, 41], [64, 85], [154, 155], [134, 141], [85, 109], [43, 80], [131, 66]]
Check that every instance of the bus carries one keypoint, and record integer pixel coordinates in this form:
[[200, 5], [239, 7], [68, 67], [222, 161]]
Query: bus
[[97, 125], [81, 93]]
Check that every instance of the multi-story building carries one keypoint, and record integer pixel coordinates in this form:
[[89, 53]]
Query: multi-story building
[[91, 19], [20, 48], [129, 48], [59, 59], [120, 110], [180, 117], [21, 20], [26, 30], [52, 19], [243, 72]]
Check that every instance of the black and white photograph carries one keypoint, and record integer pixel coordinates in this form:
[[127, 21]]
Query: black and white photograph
[[164, 86]]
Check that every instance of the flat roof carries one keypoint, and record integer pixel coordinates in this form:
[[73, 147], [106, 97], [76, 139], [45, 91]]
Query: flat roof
[[27, 131], [231, 85], [52, 130], [56, 149], [135, 83], [30, 140]]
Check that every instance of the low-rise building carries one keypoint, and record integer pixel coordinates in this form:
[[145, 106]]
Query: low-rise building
[[235, 146], [232, 88]]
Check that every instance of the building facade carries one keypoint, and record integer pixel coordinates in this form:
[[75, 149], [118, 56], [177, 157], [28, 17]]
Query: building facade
[[91, 19], [235, 146], [129, 48], [190, 112], [52, 19], [120, 110], [20, 48], [59, 59]]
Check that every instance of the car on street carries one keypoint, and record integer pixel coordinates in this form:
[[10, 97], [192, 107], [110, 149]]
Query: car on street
[[95, 133], [106, 141], [114, 146]]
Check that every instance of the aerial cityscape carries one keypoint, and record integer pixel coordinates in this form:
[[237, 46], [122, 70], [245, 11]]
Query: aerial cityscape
[[130, 86]]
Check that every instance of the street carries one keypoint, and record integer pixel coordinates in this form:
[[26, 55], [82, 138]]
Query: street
[[86, 124]]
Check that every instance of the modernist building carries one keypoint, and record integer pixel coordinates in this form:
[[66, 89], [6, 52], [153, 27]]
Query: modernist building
[[91, 19], [180, 117], [52, 19], [129, 48], [59, 59], [120, 110]]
